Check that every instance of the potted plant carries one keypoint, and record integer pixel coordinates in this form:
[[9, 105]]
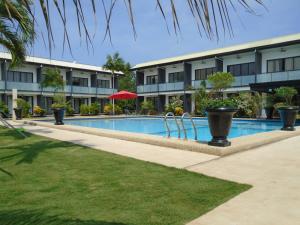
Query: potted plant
[[52, 78], [269, 106], [288, 112], [58, 107], [38, 111], [219, 110], [22, 109]]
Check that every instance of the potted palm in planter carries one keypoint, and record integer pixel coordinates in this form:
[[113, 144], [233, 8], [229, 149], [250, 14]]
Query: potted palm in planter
[[288, 112], [219, 110], [52, 78], [269, 106], [58, 107], [22, 109]]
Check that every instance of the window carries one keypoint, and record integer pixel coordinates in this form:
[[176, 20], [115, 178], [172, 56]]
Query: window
[[175, 77], [202, 74], [78, 81], [297, 63], [102, 83], [285, 64], [152, 79], [16, 76], [243, 69]]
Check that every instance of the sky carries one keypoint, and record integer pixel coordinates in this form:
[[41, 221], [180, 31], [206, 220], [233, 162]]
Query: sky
[[153, 41]]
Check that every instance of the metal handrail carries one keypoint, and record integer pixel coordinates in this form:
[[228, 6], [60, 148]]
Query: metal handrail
[[182, 123], [170, 114]]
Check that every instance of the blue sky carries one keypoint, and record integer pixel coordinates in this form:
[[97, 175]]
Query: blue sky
[[153, 41]]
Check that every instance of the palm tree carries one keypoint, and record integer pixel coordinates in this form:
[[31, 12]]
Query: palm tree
[[16, 29], [114, 63], [212, 17]]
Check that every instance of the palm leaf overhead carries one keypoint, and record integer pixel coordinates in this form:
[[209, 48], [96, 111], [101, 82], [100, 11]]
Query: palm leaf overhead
[[211, 17], [16, 29]]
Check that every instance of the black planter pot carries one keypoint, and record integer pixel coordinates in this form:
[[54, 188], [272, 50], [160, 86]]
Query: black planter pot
[[288, 116], [18, 112], [269, 112], [59, 115], [219, 120]]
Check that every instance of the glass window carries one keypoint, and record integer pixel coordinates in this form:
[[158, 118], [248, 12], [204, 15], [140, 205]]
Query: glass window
[[270, 66], [245, 69], [152, 79], [103, 83], [251, 68], [175, 77], [78, 81], [297, 63], [288, 64]]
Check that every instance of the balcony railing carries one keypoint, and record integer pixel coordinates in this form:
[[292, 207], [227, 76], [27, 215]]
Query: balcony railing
[[279, 76], [148, 88], [35, 87]]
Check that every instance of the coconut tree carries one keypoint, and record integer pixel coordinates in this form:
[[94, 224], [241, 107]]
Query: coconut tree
[[16, 29], [114, 63]]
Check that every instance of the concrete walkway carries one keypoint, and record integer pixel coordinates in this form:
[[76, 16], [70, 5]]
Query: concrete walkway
[[273, 170]]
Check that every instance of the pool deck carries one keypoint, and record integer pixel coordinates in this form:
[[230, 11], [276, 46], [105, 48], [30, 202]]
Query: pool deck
[[273, 170], [238, 144]]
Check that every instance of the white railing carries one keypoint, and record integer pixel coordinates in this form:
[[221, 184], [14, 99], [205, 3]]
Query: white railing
[[147, 88], [23, 86]]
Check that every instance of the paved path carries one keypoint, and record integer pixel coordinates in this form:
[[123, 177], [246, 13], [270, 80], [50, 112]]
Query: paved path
[[273, 170]]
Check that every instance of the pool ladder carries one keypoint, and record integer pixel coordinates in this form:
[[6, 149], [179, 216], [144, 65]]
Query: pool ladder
[[186, 114]]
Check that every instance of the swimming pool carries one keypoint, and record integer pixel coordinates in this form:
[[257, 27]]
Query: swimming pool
[[156, 126]]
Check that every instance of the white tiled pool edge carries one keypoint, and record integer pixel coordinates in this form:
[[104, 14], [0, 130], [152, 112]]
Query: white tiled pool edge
[[238, 144]]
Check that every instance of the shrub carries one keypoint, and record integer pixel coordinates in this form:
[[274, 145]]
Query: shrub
[[147, 107], [4, 108], [217, 103], [84, 109], [94, 109], [201, 98], [286, 93], [248, 104], [269, 101], [38, 111], [175, 102], [25, 106], [69, 110], [178, 111], [108, 109]]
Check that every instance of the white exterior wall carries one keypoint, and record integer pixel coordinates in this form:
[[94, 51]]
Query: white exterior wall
[[202, 64], [277, 53], [238, 59]]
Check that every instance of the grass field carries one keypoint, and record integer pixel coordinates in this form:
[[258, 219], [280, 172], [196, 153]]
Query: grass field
[[44, 181]]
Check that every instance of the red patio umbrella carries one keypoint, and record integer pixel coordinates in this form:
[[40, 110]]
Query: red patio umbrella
[[123, 95]]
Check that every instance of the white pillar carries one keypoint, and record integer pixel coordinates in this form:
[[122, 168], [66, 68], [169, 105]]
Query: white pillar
[[14, 102]]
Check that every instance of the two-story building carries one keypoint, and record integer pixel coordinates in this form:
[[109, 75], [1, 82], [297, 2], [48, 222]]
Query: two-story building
[[257, 66], [85, 84]]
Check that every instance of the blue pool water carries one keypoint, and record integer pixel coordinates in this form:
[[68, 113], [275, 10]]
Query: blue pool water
[[156, 126]]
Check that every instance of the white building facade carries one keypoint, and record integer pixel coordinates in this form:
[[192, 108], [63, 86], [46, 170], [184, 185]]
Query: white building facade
[[85, 84], [257, 66]]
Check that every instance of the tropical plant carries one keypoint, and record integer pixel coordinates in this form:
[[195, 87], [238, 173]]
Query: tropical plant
[[25, 106], [248, 104], [16, 29], [220, 81], [178, 111], [287, 94], [218, 103], [201, 98], [84, 109], [268, 100], [52, 78], [175, 102], [69, 109], [59, 101], [37, 110], [147, 107], [4, 108], [108, 109], [95, 108]]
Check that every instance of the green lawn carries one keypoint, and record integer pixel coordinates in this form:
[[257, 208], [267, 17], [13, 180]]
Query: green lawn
[[44, 181]]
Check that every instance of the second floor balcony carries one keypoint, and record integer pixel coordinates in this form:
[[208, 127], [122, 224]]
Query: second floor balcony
[[36, 87], [162, 87]]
